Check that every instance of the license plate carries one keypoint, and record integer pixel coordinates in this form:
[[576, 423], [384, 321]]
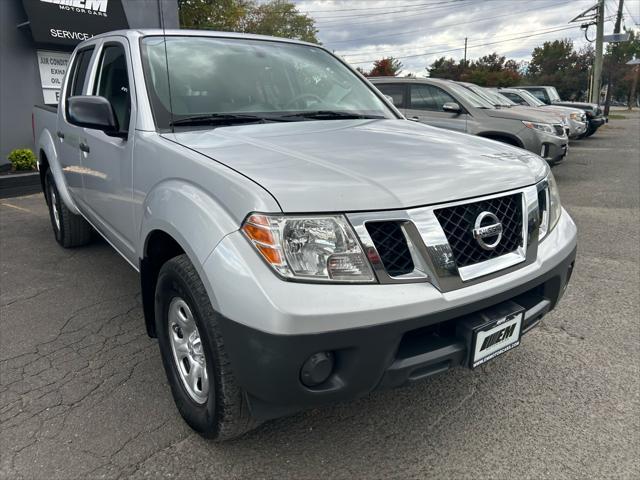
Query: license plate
[[496, 338]]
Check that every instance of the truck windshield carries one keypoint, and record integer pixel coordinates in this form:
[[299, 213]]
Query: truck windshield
[[498, 98], [235, 80], [531, 99], [469, 96]]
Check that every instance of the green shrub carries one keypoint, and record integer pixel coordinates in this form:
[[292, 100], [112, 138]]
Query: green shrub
[[22, 159]]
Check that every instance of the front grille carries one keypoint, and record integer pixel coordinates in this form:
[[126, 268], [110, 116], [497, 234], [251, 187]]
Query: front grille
[[392, 247], [559, 130], [458, 222]]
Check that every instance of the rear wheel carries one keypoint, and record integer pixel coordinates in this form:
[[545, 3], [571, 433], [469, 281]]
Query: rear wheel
[[194, 357], [69, 229]]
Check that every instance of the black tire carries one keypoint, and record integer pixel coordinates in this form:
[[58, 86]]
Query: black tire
[[69, 229], [507, 140], [224, 414], [590, 131]]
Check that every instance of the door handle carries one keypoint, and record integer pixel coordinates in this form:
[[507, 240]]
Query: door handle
[[84, 147], [60, 135], [414, 119]]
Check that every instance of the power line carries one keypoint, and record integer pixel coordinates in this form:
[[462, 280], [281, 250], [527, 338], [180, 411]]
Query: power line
[[355, 19], [631, 15], [391, 9], [372, 8], [538, 30], [422, 30], [424, 54]]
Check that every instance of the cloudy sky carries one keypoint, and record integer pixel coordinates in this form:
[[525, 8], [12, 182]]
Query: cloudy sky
[[419, 31]]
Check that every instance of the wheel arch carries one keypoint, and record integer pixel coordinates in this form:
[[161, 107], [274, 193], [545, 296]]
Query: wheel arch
[[503, 137], [48, 153], [178, 217]]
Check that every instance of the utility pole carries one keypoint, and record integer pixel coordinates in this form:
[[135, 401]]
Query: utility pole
[[597, 64], [616, 29], [465, 53]]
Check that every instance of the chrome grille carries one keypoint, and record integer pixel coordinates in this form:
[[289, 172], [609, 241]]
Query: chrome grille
[[458, 222], [392, 247]]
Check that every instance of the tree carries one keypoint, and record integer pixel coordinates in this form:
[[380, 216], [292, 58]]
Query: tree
[[445, 68], [491, 70], [615, 60], [279, 18], [224, 15], [386, 67], [557, 63]]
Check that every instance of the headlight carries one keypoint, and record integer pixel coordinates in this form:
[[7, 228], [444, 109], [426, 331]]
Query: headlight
[[549, 205], [543, 127], [318, 248]]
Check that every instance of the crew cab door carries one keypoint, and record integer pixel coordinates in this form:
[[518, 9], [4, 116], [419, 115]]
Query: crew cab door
[[425, 105], [107, 159], [68, 135]]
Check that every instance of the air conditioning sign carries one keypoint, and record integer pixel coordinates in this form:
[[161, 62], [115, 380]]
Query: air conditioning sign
[[53, 66], [68, 22]]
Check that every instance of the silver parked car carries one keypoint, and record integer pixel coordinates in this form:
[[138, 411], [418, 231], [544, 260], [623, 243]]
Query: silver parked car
[[578, 122], [446, 104], [299, 242]]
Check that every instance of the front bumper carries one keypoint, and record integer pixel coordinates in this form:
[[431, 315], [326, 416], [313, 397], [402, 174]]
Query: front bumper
[[550, 147], [380, 335], [597, 122], [577, 128]]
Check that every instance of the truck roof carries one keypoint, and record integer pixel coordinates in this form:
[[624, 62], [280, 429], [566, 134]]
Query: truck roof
[[437, 81], [137, 33]]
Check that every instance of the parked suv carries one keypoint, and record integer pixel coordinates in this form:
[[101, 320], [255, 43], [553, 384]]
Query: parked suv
[[298, 241], [446, 104], [549, 95], [578, 123], [500, 101]]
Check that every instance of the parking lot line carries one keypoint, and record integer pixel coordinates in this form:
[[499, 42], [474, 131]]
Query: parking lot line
[[16, 207]]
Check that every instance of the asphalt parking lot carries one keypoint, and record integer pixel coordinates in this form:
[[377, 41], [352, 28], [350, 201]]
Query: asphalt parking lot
[[83, 393]]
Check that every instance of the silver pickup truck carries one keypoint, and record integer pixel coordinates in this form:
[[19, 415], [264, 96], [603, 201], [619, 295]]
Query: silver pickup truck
[[299, 242]]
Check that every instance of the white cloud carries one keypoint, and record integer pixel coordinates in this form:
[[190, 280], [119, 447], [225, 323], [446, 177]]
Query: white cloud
[[363, 30]]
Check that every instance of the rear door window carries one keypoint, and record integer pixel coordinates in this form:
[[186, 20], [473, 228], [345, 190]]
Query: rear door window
[[78, 79], [78, 74]]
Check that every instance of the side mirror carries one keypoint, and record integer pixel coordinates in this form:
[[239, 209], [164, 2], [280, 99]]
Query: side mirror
[[93, 112], [390, 98], [451, 107]]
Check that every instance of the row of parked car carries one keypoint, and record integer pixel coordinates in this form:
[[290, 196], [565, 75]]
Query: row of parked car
[[530, 117]]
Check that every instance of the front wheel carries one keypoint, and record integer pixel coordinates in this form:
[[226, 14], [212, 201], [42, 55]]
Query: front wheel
[[194, 357]]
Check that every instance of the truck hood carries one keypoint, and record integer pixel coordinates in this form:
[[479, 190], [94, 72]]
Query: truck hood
[[592, 107], [565, 110], [360, 165], [530, 114]]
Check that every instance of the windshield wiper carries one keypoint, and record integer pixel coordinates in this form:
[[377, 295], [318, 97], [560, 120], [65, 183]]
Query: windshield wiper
[[331, 115], [221, 119]]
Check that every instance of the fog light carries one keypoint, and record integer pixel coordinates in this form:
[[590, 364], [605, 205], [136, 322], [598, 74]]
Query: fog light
[[316, 369]]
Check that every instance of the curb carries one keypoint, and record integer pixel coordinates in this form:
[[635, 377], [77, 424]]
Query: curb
[[16, 185]]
